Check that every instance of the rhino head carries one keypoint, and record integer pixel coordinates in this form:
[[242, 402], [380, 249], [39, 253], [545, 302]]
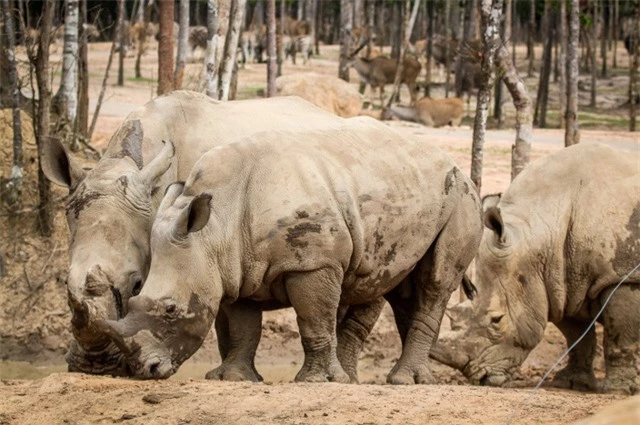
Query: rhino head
[[169, 320], [109, 212], [508, 318]]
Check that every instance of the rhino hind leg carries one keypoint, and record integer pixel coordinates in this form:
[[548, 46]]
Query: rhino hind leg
[[622, 340], [353, 329], [238, 328], [433, 280], [578, 374], [315, 296]]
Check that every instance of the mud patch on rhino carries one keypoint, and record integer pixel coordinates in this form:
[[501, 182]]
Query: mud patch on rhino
[[628, 249], [131, 143], [81, 199], [450, 180], [299, 231]]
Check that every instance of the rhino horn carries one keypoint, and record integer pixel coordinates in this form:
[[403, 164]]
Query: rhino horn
[[80, 309], [116, 331], [170, 195], [158, 165], [451, 353]]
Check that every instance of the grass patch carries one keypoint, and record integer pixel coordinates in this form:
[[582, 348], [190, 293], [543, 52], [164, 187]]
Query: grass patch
[[141, 80], [588, 120]]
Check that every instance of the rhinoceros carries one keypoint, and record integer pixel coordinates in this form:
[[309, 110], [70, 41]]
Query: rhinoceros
[[557, 242], [111, 207], [350, 216]]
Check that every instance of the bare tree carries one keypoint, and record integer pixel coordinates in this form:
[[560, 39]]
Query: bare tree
[[616, 29], [606, 33], [183, 33], [272, 66], [572, 134], [491, 15], [142, 37], [467, 35], [563, 61], [593, 43], [67, 96], [540, 113], [346, 22], [45, 210], [83, 72], [280, 38], [13, 186], [430, 22], [209, 76], [165, 47], [122, 43], [634, 93], [408, 24], [231, 46], [531, 36], [447, 53]]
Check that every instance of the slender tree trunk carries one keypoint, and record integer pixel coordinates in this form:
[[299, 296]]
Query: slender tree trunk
[[572, 133], [13, 186], [430, 18], [209, 76], [346, 20], [272, 66], [371, 23], [236, 16], [514, 23], [531, 36], [447, 53], [358, 14], [165, 47], [634, 93], [491, 14], [616, 33], [45, 210], [594, 38], [280, 37], [540, 113], [467, 35], [68, 92], [605, 38], [183, 46], [310, 16], [562, 92], [142, 39], [408, 23], [83, 92], [116, 38], [122, 42], [499, 92]]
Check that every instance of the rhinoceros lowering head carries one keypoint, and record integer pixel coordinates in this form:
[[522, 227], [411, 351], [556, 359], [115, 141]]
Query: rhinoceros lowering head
[[109, 213], [164, 327], [509, 316]]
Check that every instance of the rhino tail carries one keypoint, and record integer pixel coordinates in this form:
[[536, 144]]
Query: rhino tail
[[468, 287]]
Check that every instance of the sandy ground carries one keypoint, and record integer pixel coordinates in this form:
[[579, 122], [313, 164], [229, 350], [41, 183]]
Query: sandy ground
[[34, 323]]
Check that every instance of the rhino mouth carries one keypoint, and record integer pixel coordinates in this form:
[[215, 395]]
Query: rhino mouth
[[105, 360]]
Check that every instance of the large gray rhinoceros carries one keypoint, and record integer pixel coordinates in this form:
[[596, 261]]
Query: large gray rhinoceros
[[110, 210], [348, 217], [557, 242]]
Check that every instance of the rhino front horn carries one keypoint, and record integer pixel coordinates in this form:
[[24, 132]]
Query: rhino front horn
[[116, 331], [158, 165]]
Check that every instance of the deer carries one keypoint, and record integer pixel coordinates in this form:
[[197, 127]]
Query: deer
[[429, 112], [381, 70]]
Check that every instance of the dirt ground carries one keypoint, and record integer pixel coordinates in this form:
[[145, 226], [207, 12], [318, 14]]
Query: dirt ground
[[34, 320]]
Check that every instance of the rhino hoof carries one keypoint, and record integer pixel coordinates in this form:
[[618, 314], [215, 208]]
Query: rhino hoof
[[406, 376], [619, 387], [230, 373], [573, 379]]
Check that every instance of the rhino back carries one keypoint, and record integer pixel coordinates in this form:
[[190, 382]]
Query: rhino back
[[359, 197]]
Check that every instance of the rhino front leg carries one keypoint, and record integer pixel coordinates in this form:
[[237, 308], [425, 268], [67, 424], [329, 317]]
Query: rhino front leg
[[433, 280], [315, 296], [622, 340], [578, 374], [353, 330], [238, 328]]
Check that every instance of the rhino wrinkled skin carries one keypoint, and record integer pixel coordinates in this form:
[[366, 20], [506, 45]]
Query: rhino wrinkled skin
[[350, 216], [557, 241], [111, 207]]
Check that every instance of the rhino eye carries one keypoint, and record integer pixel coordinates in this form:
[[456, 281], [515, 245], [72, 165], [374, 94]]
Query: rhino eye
[[137, 287], [496, 319]]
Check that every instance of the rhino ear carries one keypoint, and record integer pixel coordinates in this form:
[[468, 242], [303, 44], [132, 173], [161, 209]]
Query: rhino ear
[[493, 220], [489, 201], [57, 165], [196, 215]]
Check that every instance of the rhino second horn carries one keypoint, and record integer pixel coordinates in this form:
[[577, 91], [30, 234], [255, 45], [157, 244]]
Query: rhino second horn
[[158, 165], [115, 330]]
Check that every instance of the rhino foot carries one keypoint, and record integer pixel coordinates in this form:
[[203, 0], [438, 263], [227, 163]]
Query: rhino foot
[[575, 379], [334, 373], [620, 381], [230, 372], [408, 376]]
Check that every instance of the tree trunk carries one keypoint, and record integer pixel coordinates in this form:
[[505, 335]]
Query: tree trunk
[[183, 46], [447, 54], [531, 36], [467, 35], [68, 92], [236, 16], [209, 76], [572, 133], [605, 37], [616, 33], [358, 14], [165, 47], [83, 71], [491, 15], [499, 92], [540, 113], [407, 25], [398, 19], [521, 150], [310, 16], [122, 42], [45, 208], [593, 42], [371, 23], [142, 39], [430, 13], [346, 19], [562, 91], [13, 186], [634, 93], [272, 66]]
